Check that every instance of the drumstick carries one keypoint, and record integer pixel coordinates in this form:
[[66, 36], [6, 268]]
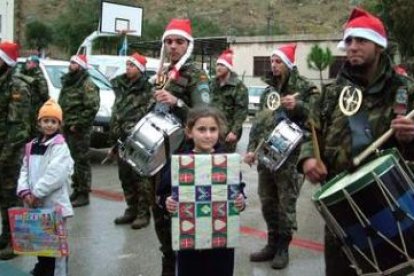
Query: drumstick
[[259, 146], [315, 143], [377, 143]]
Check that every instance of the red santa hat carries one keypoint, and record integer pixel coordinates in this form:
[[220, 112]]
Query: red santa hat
[[287, 54], [138, 60], [226, 59], [9, 51], [180, 27], [364, 25], [81, 60]]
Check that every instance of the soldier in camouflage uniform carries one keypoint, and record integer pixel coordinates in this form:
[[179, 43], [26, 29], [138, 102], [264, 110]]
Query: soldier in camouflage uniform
[[14, 132], [79, 99], [230, 95], [386, 96], [133, 93], [38, 89], [187, 87], [279, 190]]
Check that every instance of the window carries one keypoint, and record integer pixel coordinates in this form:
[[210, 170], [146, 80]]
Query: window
[[336, 66], [261, 66]]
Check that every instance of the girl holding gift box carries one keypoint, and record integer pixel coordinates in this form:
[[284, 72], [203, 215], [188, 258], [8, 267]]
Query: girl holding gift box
[[45, 177], [205, 129]]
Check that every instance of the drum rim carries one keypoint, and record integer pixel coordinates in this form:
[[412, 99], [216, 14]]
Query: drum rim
[[390, 162]]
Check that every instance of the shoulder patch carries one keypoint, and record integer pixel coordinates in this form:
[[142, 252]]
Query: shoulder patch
[[89, 86], [16, 95]]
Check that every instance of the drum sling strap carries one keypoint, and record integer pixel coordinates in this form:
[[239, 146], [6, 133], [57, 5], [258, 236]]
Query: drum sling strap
[[361, 133]]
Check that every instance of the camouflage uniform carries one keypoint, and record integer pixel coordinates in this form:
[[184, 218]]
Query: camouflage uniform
[[334, 132], [232, 99], [14, 133], [278, 191], [130, 106], [79, 99], [192, 87], [39, 92]]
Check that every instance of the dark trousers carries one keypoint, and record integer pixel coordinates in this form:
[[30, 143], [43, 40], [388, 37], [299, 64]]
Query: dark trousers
[[47, 266]]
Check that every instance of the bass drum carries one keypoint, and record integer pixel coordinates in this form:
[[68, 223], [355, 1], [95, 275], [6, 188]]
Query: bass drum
[[145, 148]]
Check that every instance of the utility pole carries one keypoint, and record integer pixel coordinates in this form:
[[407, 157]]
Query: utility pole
[[270, 18]]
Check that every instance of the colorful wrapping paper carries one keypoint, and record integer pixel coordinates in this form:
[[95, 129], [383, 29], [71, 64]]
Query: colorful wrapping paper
[[205, 186]]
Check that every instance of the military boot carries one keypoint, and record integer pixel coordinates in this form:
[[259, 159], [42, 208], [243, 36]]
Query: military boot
[[268, 252], [81, 200], [281, 259], [7, 253], [141, 222], [168, 266], [73, 196], [128, 217], [4, 240]]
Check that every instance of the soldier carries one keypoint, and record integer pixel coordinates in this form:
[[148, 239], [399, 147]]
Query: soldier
[[14, 132], [79, 99], [38, 88], [187, 87], [385, 97], [278, 190], [230, 95], [133, 93]]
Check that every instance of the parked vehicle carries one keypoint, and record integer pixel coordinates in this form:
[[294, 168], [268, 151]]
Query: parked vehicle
[[254, 98], [53, 70]]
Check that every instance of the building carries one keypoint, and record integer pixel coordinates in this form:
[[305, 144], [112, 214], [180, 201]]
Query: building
[[6, 19], [252, 54]]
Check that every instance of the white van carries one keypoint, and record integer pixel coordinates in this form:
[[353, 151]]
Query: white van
[[53, 70]]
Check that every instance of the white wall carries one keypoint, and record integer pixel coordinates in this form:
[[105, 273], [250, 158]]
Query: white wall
[[7, 19], [246, 48]]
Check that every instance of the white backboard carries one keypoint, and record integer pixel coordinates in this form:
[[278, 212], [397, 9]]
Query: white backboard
[[116, 18]]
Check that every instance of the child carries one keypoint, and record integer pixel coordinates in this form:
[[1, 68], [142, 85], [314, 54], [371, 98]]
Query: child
[[45, 177], [205, 127]]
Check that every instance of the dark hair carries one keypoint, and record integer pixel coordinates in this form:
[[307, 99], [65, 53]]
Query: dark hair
[[208, 111]]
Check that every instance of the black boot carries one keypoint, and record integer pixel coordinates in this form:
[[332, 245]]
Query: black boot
[[281, 259], [128, 217], [7, 253], [168, 265], [73, 196], [141, 221], [81, 200], [4, 240], [268, 252]]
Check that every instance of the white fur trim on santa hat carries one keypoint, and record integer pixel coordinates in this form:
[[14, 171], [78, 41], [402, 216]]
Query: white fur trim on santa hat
[[140, 66], [7, 59], [363, 33], [177, 32], [225, 63], [79, 61], [284, 58]]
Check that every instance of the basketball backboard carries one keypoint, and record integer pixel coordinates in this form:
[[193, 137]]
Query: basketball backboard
[[120, 18]]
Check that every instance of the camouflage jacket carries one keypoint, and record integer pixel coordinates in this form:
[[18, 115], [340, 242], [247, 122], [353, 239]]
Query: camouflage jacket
[[130, 105], [38, 87], [232, 99], [15, 116], [333, 127], [79, 99], [266, 120], [191, 86]]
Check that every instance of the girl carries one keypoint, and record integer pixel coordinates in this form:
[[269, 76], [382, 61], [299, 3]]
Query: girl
[[205, 127], [45, 177]]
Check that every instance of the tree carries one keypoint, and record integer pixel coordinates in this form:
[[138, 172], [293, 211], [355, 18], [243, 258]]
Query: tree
[[38, 35], [318, 59]]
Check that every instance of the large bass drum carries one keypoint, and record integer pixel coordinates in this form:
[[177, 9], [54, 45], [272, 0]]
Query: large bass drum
[[145, 149]]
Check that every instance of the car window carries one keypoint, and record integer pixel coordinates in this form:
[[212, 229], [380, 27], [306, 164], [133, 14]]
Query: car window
[[256, 91], [55, 72], [99, 79]]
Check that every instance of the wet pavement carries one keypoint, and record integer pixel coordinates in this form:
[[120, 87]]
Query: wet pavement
[[98, 247]]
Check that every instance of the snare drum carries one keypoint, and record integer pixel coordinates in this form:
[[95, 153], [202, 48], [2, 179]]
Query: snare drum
[[279, 145], [371, 211], [145, 148]]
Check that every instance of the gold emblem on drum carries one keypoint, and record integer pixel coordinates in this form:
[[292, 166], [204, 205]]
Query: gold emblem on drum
[[273, 100], [350, 100]]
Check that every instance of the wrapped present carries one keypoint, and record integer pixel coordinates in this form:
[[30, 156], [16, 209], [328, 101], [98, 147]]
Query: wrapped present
[[205, 187], [38, 232]]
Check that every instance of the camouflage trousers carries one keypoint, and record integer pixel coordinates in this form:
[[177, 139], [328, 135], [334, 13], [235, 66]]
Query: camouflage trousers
[[8, 198], [78, 143], [278, 192], [137, 190], [337, 264]]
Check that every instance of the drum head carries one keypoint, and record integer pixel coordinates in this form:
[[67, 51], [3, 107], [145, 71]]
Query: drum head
[[331, 192]]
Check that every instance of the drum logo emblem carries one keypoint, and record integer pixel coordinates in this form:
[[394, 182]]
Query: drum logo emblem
[[350, 100], [273, 100]]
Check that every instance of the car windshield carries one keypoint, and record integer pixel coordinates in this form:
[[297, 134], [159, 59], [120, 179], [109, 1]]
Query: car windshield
[[55, 73], [256, 91]]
